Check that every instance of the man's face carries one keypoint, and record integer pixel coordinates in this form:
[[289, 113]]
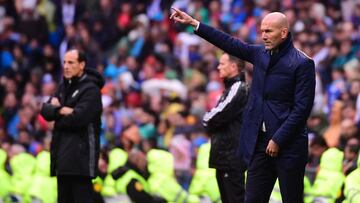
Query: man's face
[[351, 149], [272, 34], [72, 67], [226, 67]]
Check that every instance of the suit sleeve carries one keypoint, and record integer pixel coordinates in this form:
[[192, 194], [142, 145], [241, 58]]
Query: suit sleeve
[[227, 109], [227, 43], [303, 102], [88, 107]]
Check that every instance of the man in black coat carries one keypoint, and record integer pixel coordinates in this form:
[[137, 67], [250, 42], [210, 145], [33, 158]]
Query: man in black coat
[[223, 122], [76, 109]]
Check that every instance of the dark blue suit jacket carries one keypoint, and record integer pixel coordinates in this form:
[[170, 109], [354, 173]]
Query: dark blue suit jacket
[[281, 96]]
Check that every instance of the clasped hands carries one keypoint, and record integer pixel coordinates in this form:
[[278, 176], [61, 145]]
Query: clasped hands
[[63, 110]]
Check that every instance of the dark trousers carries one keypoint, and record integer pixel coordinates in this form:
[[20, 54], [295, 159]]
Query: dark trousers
[[262, 173], [75, 189], [231, 185]]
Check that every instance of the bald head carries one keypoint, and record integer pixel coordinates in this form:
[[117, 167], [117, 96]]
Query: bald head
[[274, 29], [279, 19]]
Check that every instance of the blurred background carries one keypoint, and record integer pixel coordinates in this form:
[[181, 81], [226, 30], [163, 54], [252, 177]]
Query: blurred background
[[161, 79]]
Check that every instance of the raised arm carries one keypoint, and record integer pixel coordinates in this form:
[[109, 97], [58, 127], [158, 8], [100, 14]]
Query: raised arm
[[218, 38]]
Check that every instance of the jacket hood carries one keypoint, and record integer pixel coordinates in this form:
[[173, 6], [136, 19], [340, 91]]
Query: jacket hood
[[95, 77], [117, 158], [42, 167], [23, 164], [331, 160], [202, 161], [160, 162]]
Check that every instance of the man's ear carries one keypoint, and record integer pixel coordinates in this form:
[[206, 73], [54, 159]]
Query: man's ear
[[284, 33], [234, 67], [82, 65]]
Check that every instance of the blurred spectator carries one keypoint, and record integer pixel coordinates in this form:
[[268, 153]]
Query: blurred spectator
[[104, 23], [31, 23], [51, 62], [348, 130], [47, 8], [332, 133], [351, 154], [68, 41], [316, 149], [180, 149], [68, 12]]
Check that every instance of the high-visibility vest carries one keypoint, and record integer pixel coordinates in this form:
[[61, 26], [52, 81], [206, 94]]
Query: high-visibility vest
[[117, 158], [276, 194], [204, 181], [352, 186], [98, 184], [2, 159], [307, 191], [43, 187], [111, 187], [107, 186], [329, 180], [23, 166], [5, 181], [122, 183], [162, 181]]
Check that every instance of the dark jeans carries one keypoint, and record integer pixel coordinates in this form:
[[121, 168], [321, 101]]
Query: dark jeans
[[262, 173], [75, 189], [231, 185]]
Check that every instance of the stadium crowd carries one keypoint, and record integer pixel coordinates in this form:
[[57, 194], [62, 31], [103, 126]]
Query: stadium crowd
[[161, 79]]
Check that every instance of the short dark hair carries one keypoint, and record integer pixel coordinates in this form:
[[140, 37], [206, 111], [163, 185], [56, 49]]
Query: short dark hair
[[318, 141], [240, 63], [81, 56]]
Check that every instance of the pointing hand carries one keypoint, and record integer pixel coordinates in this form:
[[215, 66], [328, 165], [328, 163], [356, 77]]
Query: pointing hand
[[183, 17]]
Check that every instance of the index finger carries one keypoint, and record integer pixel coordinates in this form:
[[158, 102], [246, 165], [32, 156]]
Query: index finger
[[175, 9]]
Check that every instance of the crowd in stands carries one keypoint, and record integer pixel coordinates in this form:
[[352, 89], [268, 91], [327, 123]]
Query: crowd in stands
[[161, 78]]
